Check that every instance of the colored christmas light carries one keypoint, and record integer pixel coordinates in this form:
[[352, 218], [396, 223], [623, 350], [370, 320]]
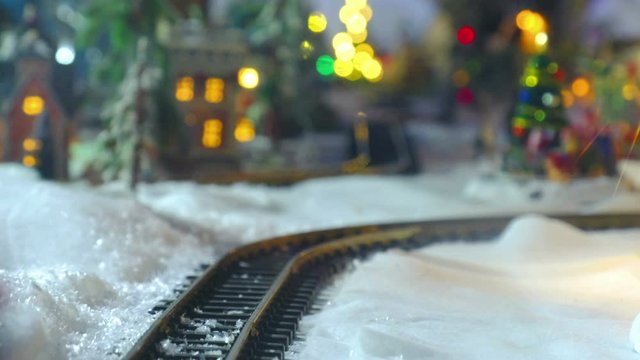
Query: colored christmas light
[[466, 35], [324, 65]]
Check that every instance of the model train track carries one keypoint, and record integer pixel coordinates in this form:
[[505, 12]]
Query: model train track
[[249, 304]]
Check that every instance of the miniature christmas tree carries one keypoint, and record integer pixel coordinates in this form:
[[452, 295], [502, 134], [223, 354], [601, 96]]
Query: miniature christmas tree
[[539, 118]]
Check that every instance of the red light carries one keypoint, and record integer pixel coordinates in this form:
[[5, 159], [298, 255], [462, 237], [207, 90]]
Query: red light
[[559, 75], [464, 96], [466, 35], [518, 131]]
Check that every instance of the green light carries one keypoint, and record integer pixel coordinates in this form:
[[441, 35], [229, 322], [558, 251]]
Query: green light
[[324, 65], [539, 115]]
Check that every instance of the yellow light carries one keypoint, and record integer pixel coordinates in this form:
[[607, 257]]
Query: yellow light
[[29, 161], [541, 38], [343, 68], [317, 22], [629, 92], [345, 51], [214, 90], [340, 38], [580, 87], [360, 59], [372, 69], [364, 47], [460, 78], [30, 144], [530, 21], [356, 24], [359, 38], [184, 89], [306, 48], [531, 81], [346, 12], [354, 76], [33, 105], [212, 133], [245, 130], [358, 4], [567, 98], [248, 78], [367, 12]]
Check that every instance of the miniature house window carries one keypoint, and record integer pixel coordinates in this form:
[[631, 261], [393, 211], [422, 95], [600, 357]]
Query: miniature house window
[[245, 130], [33, 105], [214, 90], [184, 89], [212, 133]]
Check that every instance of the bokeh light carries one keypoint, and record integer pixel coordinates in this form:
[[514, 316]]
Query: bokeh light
[[248, 78], [580, 87], [317, 22]]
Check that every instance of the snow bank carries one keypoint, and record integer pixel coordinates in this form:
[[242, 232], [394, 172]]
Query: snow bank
[[80, 270], [543, 290], [244, 213]]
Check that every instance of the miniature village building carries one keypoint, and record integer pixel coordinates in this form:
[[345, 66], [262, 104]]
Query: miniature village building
[[34, 124], [210, 92]]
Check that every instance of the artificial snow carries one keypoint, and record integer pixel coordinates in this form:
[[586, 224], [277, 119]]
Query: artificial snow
[[542, 290], [79, 271], [81, 267]]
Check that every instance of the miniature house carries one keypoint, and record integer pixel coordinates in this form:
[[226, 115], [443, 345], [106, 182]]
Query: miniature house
[[35, 124], [210, 94]]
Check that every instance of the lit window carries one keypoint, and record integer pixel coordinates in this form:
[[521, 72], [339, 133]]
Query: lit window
[[30, 144], [184, 89], [245, 130], [212, 133], [33, 105], [214, 90], [29, 161]]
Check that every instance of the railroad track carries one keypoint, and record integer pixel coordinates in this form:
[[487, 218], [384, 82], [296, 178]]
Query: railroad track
[[249, 304]]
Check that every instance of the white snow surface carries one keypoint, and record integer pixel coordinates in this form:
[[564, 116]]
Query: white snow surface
[[80, 270], [80, 267], [542, 290]]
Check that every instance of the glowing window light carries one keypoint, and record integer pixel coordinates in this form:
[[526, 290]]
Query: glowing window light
[[184, 89], [356, 24], [214, 90], [360, 59], [580, 87], [324, 65], [345, 51], [245, 130], [212, 133], [317, 22], [33, 105], [372, 69], [367, 12], [359, 38], [343, 68], [30, 144], [248, 78], [29, 161], [346, 12], [366, 48]]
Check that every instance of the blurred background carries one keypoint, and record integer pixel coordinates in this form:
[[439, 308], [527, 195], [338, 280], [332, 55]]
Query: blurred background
[[229, 90]]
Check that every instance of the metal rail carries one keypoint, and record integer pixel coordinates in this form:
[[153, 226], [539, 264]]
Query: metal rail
[[254, 298]]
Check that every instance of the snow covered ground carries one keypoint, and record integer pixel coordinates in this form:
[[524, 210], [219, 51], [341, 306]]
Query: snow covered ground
[[543, 290], [80, 267]]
